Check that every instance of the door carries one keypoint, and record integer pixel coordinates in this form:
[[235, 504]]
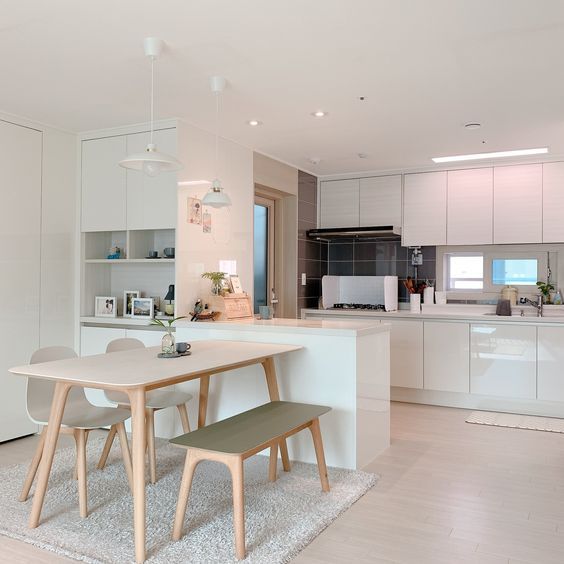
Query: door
[[20, 233], [263, 253]]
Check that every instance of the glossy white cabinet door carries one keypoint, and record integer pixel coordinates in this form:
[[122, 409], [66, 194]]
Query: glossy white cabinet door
[[424, 209], [470, 207], [103, 184], [503, 360], [338, 203], [380, 201], [150, 338], [20, 224], [518, 204], [550, 371], [446, 354], [94, 340], [552, 202], [152, 201], [406, 358]]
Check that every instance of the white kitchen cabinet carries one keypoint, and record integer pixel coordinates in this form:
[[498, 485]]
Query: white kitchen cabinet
[[470, 207], [20, 232], [152, 201], [150, 338], [380, 201], [406, 355], [518, 204], [338, 203], [550, 375], [552, 202], [425, 209], [503, 360], [103, 184], [446, 356], [94, 340]]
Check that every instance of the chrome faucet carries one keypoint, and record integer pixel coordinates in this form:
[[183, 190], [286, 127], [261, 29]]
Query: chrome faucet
[[537, 304]]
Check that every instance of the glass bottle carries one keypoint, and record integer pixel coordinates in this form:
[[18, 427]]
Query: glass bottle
[[167, 343]]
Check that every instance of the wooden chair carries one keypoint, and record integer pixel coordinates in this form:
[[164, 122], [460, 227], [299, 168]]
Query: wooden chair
[[79, 418], [235, 439], [156, 400]]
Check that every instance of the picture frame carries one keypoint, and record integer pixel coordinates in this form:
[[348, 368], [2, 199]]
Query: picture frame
[[235, 283], [128, 296], [105, 306], [142, 308]]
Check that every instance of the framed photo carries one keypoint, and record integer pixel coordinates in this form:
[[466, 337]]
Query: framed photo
[[142, 308], [105, 306], [128, 296], [235, 282]]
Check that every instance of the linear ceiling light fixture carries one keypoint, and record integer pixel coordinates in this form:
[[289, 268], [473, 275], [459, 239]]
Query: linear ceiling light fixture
[[216, 197], [495, 155], [152, 162]]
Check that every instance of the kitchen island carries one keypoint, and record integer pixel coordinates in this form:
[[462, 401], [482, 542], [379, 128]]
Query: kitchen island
[[343, 364]]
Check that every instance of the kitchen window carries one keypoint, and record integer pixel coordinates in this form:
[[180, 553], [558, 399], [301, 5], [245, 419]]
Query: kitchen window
[[465, 271]]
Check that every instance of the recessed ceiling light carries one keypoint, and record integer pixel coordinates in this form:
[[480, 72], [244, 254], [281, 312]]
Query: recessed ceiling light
[[254, 122], [319, 114], [495, 155], [472, 125]]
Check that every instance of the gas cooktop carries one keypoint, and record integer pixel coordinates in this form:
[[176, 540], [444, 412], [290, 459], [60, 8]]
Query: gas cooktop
[[373, 307]]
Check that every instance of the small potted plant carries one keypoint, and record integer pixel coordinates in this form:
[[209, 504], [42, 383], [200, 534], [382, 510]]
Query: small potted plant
[[545, 288], [168, 342], [217, 279]]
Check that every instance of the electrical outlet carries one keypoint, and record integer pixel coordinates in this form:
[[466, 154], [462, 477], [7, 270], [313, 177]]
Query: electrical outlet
[[304, 279]]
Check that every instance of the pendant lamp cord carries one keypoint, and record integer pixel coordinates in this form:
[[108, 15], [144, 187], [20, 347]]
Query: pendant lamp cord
[[152, 96], [216, 165]]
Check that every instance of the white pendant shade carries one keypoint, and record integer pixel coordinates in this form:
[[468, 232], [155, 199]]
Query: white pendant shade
[[216, 197], [151, 161]]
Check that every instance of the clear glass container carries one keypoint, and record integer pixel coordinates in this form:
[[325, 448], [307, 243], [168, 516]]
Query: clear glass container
[[168, 344]]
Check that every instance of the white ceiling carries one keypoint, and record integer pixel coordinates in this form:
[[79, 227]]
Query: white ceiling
[[425, 66]]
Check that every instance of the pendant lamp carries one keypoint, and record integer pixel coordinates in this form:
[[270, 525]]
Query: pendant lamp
[[152, 162], [216, 197]]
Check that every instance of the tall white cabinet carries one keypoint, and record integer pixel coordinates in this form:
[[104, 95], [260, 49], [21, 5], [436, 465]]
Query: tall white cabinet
[[20, 229], [552, 202]]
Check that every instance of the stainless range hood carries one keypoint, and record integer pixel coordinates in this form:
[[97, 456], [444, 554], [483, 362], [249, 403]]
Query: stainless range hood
[[380, 232]]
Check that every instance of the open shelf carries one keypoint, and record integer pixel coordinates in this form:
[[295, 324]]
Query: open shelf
[[129, 261]]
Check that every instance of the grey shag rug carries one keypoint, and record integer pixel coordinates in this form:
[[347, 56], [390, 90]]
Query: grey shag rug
[[281, 518]]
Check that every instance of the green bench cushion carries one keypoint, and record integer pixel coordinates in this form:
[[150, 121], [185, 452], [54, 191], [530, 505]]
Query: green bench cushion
[[248, 430]]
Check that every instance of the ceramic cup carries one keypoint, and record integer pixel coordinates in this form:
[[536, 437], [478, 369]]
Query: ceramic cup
[[265, 312], [169, 252], [153, 254], [182, 347]]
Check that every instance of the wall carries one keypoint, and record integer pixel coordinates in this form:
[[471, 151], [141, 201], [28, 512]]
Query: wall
[[366, 257], [312, 255], [231, 238]]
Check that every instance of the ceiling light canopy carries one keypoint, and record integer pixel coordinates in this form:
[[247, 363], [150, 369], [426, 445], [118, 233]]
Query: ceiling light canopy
[[216, 197], [495, 155], [152, 162]]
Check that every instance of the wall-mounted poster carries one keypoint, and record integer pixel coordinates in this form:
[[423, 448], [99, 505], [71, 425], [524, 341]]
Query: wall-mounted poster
[[194, 211], [206, 222]]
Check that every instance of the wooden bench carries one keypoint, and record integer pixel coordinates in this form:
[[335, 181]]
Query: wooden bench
[[235, 439]]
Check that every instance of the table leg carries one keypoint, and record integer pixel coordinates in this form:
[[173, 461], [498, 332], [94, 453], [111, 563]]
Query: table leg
[[203, 401], [55, 417], [270, 374], [137, 402]]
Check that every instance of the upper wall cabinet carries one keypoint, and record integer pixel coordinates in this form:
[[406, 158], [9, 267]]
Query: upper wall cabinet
[[152, 201], [470, 207], [552, 202], [338, 203], [380, 201], [424, 209], [103, 184], [518, 204]]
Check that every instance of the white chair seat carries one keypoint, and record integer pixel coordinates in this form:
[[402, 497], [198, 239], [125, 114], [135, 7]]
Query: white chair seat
[[85, 419], [156, 399]]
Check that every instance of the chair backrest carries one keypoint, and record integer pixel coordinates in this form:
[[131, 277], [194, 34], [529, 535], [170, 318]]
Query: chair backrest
[[40, 392], [124, 344]]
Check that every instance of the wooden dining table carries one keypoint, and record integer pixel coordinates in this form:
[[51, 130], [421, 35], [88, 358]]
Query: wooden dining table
[[136, 372]]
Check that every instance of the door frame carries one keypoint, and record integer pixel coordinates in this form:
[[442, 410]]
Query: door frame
[[269, 204]]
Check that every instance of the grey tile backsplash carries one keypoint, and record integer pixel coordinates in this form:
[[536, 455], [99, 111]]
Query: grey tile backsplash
[[367, 257], [312, 255]]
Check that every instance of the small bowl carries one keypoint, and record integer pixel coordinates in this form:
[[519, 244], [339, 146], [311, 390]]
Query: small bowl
[[169, 252]]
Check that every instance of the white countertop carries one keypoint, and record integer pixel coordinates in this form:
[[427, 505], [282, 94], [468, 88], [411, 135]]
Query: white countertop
[[554, 315], [329, 327]]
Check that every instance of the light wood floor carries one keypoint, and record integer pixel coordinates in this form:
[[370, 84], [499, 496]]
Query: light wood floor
[[449, 493]]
